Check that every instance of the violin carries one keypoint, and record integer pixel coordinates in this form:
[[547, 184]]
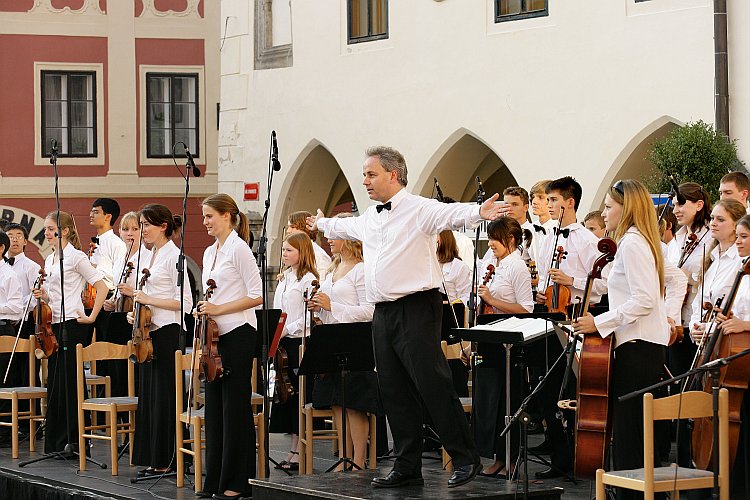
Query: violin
[[283, 388], [485, 308], [46, 342], [124, 303], [143, 348], [88, 296], [314, 319], [534, 276], [207, 331], [558, 296]]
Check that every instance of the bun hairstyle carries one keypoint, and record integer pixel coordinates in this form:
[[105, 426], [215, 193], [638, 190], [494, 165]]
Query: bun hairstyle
[[156, 215], [507, 231], [66, 222], [223, 203]]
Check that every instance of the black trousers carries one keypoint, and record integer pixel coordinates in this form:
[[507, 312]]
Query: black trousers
[[680, 357], [637, 364], [413, 374], [62, 400], [154, 442], [230, 433], [15, 375]]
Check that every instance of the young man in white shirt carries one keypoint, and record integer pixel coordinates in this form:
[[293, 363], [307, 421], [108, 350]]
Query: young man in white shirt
[[402, 279], [735, 186]]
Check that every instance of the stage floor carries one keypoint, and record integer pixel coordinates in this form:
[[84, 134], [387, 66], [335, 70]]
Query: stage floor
[[63, 476]]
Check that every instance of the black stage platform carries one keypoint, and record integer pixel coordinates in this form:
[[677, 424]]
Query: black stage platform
[[356, 485]]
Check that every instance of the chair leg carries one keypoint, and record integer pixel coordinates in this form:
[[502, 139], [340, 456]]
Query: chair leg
[[261, 432], [600, 484], [32, 425], [198, 453], [14, 426], [113, 438], [309, 448], [180, 443], [131, 426], [373, 442]]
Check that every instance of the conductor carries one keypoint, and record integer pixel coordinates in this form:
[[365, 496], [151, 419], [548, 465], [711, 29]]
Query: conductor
[[402, 279]]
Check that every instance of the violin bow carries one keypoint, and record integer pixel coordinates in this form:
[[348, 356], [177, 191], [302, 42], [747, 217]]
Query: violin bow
[[18, 335]]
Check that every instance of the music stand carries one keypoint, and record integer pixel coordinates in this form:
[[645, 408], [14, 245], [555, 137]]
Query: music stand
[[339, 347]]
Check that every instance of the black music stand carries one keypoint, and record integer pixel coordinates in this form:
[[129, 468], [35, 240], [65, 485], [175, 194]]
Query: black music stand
[[343, 348]]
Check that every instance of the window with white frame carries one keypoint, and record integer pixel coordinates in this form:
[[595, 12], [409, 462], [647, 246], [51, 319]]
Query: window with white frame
[[69, 113], [172, 113]]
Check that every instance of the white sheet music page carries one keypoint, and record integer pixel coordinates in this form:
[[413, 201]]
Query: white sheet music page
[[531, 328]]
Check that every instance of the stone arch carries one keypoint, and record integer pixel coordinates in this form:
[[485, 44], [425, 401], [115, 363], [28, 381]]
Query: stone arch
[[458, 161], [631, 163]]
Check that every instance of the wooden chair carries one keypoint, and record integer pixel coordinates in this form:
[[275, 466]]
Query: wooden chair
[[692, 404], [15, 394], [465, 402], [256, 401], [99, 351], [94, 381]]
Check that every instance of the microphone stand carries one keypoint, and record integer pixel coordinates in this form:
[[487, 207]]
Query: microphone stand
[[474, 358], [62, 353], [189, 165]]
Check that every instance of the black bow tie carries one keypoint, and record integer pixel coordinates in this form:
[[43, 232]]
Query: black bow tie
[[539, 229], [564, 232], [10, 260], [95, 239], [380, 208]]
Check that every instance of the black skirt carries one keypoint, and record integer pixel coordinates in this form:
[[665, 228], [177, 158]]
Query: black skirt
[[285, 417], [361, 391]]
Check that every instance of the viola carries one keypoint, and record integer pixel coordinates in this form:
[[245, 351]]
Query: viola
[[88, 296], [143, 349], [282, 388], [558, 296], [124, 303], [485, 308], [207, 331], [46, 341]]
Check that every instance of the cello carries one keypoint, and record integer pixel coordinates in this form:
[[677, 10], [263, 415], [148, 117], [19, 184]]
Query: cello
[[88, 296], [143, 348], [733, 377], [207, 331], [593, 426], [46, 341]]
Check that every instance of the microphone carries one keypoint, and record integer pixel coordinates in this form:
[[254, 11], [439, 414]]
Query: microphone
[[480, 188], [196, 170], [676, 190], [440, 196], [275, 152]]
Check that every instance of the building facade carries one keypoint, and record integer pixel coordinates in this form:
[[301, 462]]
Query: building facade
[[116, 84], [513, 91]]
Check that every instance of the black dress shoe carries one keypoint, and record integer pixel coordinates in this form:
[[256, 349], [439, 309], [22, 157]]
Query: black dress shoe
[[395, 479], [543, 448], [204, 494], [549, 473], [464, 474]]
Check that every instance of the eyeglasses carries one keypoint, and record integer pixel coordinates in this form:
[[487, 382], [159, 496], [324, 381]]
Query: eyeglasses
[[15, 238], [618, 187]]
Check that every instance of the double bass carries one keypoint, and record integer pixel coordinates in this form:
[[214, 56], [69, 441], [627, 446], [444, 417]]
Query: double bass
[[593, 426], [88, 296], [207, 331], [46, 341], [143, 348]]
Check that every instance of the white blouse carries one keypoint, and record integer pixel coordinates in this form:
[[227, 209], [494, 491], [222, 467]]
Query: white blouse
[[511, 281], [138, 266], [78, 271], [347, 294], [27, 271], [457, 281], [11, 298], [741, 306], [289, 298], [691, 265], [718, 280], [162, 284], [322, 259], [236, 274]]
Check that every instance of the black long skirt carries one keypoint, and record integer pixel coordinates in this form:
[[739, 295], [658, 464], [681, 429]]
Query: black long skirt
[[230, 433], [154, 443], [285, 417]]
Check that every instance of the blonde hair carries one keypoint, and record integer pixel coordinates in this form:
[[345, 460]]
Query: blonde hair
[[134, 217], [539, 187], [350, 247], [298, 220], [736, 211], [303, 244], [223, 203], [638, 210], [66, 222]]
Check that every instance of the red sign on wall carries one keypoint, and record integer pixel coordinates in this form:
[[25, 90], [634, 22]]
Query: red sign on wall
[[252, 191]]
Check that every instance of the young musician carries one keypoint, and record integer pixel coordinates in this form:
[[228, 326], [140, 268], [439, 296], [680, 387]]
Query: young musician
[[517, 200], [61, 380], [297, 223], [230, 432], [637, 316], [341, 299], [668, 226], [11, 309], [154, 442], [594, 222], [464, 243], [735, 186], [540, 206], [509, 291], [298, 255], [402, 279]]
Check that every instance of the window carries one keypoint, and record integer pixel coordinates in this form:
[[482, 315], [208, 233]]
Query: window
[[508, 10], [368, 20], [172, 113], [69, 113]]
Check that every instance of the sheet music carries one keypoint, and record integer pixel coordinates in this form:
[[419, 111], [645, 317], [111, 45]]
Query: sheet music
[[531, 328]]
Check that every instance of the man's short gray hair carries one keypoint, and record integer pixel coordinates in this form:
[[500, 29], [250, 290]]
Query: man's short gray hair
[[391, 160]]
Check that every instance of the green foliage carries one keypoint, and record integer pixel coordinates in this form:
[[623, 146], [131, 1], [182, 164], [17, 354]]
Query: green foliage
[[693, 153]]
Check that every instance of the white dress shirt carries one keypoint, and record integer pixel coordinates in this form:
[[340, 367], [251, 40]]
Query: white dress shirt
[[675, 285], [691, 265], [465, 246], [399, 244], [718, 280], [289, 297], [347, 294], [138, 266], [636, 307], [78, 271], [457, 281], [109, 250], [11, 297], [741, 306], [236, 274], [581, 245], [27, 272], [511, 281], [162, 284], [322, 259]]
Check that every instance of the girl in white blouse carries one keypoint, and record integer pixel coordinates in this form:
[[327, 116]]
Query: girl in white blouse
[[341, 299], [154, 443], [298, 255], [456, 274], [61, 383], [636, 317], [230, 432]]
